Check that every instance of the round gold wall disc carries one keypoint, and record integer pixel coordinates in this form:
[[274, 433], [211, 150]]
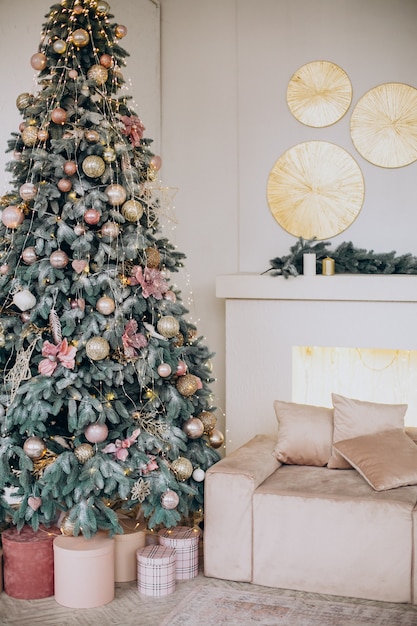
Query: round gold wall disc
[[315, 190], [319, 93], [383, 126]]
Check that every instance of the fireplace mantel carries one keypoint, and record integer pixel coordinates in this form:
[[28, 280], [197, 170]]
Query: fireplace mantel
[[267, 316], [345, 287]]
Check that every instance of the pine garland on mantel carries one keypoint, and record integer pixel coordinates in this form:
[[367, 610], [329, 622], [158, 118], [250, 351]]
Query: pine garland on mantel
[[348, 260]]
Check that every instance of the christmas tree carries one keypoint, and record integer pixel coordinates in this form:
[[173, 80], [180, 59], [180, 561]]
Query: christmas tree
[[105, 399]]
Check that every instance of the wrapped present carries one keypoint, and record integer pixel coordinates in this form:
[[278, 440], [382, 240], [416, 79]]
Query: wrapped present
[[125, 548], [84, 571], [185, 540], [156, 570], [1, 571], [28, 562]]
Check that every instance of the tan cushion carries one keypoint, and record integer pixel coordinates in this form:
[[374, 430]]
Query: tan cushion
[[304, 433], [386, 460], [353, 418]]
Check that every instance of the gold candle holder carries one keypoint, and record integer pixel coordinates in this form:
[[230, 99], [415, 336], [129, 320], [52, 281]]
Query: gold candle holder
[[327, 267]]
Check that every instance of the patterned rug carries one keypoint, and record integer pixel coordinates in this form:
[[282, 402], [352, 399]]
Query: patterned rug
[[228, 607]]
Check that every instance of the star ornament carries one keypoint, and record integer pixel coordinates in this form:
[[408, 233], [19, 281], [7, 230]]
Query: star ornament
[[159, 200]]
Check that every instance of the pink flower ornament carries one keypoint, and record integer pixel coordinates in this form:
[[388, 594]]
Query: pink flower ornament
[[55, 355], [133, 341], [151, 280], [133, 129], [120, 449]]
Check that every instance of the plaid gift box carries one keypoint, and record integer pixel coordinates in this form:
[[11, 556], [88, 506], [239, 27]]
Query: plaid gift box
[[156, 570], [185, 540]]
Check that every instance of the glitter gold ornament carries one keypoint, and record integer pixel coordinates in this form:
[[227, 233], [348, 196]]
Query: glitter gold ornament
[[168, 326], [216, 438], [23, 101], [93, 166], [67, 527], [30, 136], [109, 155], [80, 38], [132, 210], [34, 447], [182, 468], [98, 73], [208, 420], [178, 341], [187, 385], [153, 257], [97, 348], [84, 452], [193, 428], [116, 194]]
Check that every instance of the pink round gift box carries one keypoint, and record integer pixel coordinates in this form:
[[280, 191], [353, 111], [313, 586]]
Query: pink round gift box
[[185, 540]]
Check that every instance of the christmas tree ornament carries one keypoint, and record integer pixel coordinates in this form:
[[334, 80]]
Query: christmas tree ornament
[[80, 37], [59, 259], [164, 370], [156, 162], [34, 447], [181, 368], [4, 268], [84, 452], [170, 296], [110, 230], [73, 74], [59, 46], [79, 229], [92, 136], [29, 255], [208, 420], [199, 475], [106, 61], [97, 348], [43, 134], [105, 305], [23, 101], [98, 74], [132, 210], [92, 216], [35, 502], [182, 468], [59, 116], [120, 31], [78, 9], [25, 317], [187, 385], [96, 433], [216, 438], [79, 265], [38, 61], [55, 325], [27, 191], [12, 216], [70, 167], [67, 527], [193, 428], [24, 300], [116, 194], [153, 257], [93, 166], [30, 136], [64, 185], [169, 500], [178, 341], [168, 326], [109, 155], [102, 7]]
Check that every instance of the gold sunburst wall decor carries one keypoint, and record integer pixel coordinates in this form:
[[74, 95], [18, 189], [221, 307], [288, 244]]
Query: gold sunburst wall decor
[[315, 190], [319, 94], [383, 126]]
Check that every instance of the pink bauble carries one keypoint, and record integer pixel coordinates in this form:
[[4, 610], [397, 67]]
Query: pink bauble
[[164, 370], [12, 216], [70, 167], [105, 305], [79, 229], [29, 255], [110, 230], [181, 368], [4, 269], [43, 134], [106, 61], [25, 317], [120, 31], [96, 433], [169, 500], [116, 194], [156, 162], [59, 259], [59, 115], [38, 61], [170, 296], [27, 191], [22, 126], [92, 216], [73, 74], [193, 428], [64, 185]]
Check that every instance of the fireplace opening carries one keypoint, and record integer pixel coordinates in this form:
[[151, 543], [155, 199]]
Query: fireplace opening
[[371, 374]]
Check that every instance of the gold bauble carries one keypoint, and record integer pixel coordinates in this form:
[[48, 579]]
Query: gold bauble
[[109, 155], [182, 468], [43, 135], [59, 46], [132, 210], [67, 527], [216, 438], [34, 447], [168, 326], [97, 348], [178, 341], [102, 7], [84, 452], [153, 257], [93, 166], [187, 385], [92, 136], [193, 428], [80, 38], [30, 135], [209, 421], [98, 74], [23, 101]]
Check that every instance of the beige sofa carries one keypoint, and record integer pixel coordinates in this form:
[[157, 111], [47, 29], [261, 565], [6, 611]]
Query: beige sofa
[[311, 527]]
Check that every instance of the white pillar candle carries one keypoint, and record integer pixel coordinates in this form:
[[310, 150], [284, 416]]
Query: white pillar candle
[[309, 264]]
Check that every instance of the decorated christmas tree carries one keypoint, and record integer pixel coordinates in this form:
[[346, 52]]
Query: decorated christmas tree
[[105, 400]]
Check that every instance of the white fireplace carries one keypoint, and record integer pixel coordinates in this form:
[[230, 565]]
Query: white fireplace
[[370, 321]]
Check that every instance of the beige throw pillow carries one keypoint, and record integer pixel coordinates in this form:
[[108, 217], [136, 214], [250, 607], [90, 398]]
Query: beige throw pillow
[[353, 418], [304, 433], [386, 460]]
